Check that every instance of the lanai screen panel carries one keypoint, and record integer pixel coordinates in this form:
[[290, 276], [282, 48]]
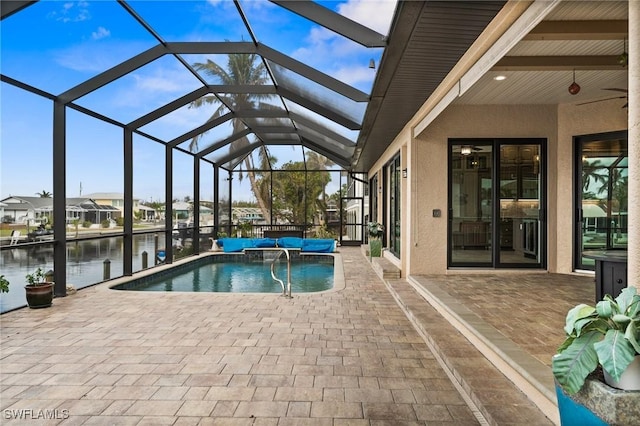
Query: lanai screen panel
[[188, 21], [135, 63], [55, 45], [142, 90]]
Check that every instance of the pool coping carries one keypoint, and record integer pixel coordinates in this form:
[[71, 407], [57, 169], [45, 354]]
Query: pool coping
[[338, 276]]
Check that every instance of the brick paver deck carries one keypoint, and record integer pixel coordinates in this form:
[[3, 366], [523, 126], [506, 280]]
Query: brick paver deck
[[346, 357]]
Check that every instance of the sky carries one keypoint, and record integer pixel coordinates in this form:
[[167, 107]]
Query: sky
[[55, 45]]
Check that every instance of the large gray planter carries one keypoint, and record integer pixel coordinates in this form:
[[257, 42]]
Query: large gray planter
[[616, 407]]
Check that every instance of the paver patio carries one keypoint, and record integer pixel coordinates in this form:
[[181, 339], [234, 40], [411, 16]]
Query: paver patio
[[345, 357]]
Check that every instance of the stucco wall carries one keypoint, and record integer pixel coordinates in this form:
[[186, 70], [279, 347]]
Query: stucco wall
[[399, 145], [427, 235]]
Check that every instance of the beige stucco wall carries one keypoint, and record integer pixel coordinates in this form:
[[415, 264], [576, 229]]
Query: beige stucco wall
[[400, 145], [429, 254], [425, 236]]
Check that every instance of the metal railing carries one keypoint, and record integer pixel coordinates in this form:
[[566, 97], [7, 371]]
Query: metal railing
[[286, 292]]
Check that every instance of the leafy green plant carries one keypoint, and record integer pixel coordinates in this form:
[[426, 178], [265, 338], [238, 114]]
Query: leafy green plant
[[375, 229], [4, 284], [245, 228], [607, 335], [36, 278]]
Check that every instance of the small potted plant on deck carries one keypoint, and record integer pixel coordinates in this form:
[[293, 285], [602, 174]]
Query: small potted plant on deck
[[376, 230], [597, 367], [39, 292]]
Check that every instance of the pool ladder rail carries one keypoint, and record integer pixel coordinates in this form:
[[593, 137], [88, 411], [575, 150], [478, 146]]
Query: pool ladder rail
[[286, 292]]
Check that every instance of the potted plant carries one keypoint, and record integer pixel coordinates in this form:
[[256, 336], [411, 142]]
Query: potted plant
[[376, 230], [244, 229], [4, 284], [39, 292], [602, 345]]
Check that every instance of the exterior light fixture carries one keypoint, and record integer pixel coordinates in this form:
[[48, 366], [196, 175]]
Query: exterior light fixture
[[404, 173], [500, 77], [574, 89], [465, 150], [623, 59], [372, 64]]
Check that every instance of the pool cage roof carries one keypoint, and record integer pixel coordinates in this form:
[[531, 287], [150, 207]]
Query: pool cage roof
[[229, 90], [228, 81]]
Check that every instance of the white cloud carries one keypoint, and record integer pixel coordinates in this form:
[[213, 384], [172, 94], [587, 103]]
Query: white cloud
[[342, 58], [160, 82], [355, 76], [101, 32], [86, 57], [375, 14], [151, 88], [72, 12]]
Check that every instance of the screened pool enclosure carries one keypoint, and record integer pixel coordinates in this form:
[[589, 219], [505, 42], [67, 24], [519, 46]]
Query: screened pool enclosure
[[198, 119]]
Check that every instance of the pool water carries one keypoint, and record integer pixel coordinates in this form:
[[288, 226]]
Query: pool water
[[239, 277]]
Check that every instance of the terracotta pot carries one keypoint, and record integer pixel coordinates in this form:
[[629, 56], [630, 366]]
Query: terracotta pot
[[629, 380]]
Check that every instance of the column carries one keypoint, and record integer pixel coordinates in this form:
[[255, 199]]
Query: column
[[633, 271]]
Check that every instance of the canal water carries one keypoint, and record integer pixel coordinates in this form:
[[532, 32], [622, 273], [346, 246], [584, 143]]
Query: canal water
[[85, 263]]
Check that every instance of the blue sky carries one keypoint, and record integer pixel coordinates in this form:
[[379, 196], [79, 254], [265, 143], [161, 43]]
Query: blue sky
[[55, 45]]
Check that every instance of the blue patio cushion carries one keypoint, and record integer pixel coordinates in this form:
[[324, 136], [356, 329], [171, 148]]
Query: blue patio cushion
[[231, 245], [290, 242], [318, 245], [264, 242]]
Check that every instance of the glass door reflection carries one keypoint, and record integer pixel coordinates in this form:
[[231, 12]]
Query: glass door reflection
[[519, 192], [602, 166], [470, 208]]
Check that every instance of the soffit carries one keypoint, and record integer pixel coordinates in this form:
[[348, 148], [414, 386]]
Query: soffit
[[427, 39]]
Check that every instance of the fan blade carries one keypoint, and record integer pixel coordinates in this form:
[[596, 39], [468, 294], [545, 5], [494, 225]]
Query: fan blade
[[602, 100], [615, 89]]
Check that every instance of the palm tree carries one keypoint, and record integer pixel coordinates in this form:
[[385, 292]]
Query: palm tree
[[592, 171], [242, 69], [317, 161], [615, 185], [44, 194]]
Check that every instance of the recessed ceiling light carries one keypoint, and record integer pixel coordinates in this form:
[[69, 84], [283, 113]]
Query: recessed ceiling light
[[500, 77]]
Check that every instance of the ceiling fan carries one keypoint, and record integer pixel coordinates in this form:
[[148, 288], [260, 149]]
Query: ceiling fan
[[615, 89]]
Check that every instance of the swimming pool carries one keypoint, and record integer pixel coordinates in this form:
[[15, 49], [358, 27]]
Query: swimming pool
[[239, 273]]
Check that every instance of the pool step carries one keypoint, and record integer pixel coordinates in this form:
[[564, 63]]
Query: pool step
[[385, 269]]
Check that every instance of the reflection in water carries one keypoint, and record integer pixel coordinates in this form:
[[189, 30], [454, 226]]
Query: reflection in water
[[196, 280], [85, 262]]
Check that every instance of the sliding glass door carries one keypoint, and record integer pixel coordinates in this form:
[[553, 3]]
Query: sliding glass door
[[496, 203], [519, 210], [601, 194], [470, 212]]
